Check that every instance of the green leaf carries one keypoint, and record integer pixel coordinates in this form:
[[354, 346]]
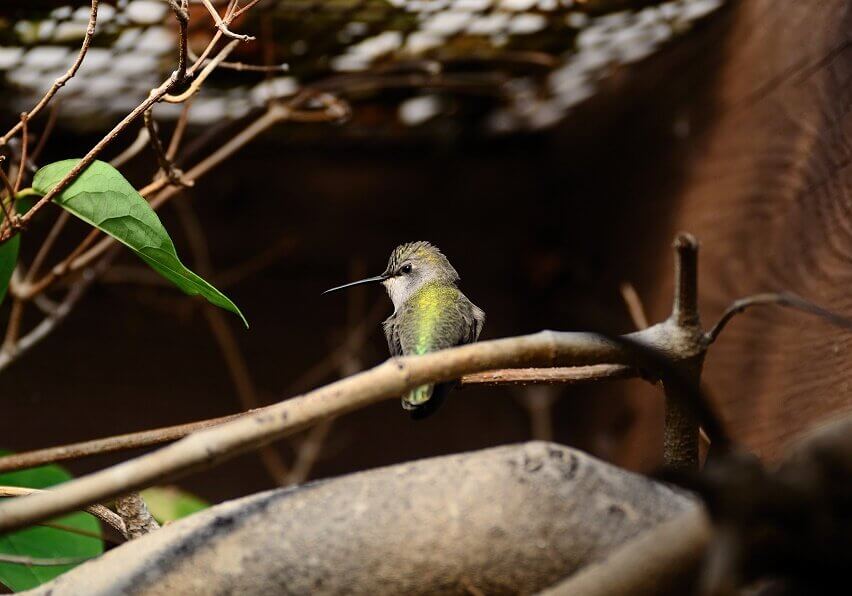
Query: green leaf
[[8, 260], [168, 503], [102, 197], [43, 542]]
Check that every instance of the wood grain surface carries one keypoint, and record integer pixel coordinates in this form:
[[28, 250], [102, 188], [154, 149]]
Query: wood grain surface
[[767, 189]]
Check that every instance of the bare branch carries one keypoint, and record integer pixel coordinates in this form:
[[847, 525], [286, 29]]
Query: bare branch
[[242, 67], [634, 305], [199, 80], [245, 8], [134, 512], [180, 129], [173, 174], [235, 362], [52, 116], [786, 299], [49, 322], [40, 562], [180, 8], [132, 150], [99, 511], [60, 82], [222, 26], [25, 142]]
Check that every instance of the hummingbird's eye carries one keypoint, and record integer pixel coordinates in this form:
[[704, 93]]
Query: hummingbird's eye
[[405, 269]]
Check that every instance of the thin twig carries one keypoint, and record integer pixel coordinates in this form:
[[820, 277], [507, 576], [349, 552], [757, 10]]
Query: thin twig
[[22, 166], [79, 532], [60, 82], [52, 116], [634, 305], [154, 96], [538, 402], [49, 322], [234, 360], [222, 26], [308, 453], [173, 174], [180, 8], [8, 220], [139, 143], [243, 67], [240, 11], [180, 129], [99, 511], [93, 153], [201, 77], [39, 562], [786, 299]]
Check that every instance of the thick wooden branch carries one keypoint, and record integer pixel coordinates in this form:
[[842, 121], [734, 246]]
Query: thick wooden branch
[[506, 520]]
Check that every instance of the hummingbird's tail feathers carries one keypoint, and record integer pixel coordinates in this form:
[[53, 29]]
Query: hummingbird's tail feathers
[[425, 408], [417, 397]]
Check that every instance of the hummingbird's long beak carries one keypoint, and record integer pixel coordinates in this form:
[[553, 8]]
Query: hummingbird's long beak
[[382, 277]]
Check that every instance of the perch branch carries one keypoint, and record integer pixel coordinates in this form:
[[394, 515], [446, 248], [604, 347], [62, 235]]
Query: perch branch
[[168, 434], [388, 380]]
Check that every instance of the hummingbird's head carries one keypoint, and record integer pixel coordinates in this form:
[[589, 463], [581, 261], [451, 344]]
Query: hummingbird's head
[[410, 267]]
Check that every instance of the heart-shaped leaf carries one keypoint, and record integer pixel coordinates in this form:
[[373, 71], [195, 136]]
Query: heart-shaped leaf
[[102, 197], [46, 542]]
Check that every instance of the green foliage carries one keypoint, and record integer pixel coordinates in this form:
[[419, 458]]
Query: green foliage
[[8, 259], [168, 503], [102, 197], [43, 542]]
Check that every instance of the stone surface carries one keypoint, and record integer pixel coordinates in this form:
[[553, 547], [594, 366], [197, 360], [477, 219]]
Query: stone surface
[[504, 520]]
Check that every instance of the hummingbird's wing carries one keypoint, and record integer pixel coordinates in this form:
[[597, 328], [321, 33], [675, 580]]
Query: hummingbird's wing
[[473, 318], [391, 328], [476, 321]]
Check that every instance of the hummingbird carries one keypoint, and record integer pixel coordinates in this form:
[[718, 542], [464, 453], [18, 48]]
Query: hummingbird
[[429, 313]]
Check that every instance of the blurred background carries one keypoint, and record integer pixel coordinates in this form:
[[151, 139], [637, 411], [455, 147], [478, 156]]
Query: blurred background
[[550, 148]]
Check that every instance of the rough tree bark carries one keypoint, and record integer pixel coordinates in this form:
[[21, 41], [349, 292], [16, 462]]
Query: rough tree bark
[[504, 520]]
